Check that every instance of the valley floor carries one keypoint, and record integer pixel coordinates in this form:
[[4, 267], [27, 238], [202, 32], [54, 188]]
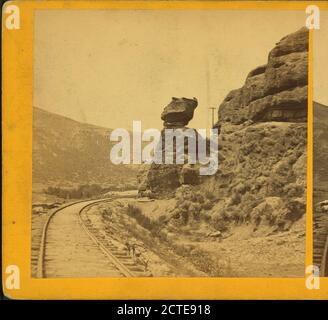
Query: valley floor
[[194, 250], [242, 252], [246, 254]]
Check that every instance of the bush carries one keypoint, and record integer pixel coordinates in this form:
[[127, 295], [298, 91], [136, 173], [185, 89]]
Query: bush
[[133, 210], [197, 197], [194, 210], [186, 205], [205, 262], [209, 195], [205, 216], [220, 222], [185, 216], [294, 190], [235, 198], [237, 216], [241, 188], [80, 192], [106, 213], [207, 205], [136, 213]]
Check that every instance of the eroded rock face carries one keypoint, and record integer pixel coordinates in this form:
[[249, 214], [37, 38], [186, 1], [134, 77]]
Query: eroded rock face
[[263, 143], [179, 112], [289, 105], [262, 178], [163, 179], [276, 91]]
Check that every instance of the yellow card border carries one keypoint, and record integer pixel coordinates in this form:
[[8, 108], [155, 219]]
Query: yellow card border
[[17, 97]]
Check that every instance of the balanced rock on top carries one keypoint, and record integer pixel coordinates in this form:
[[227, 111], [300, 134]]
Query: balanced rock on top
[[179, 112]]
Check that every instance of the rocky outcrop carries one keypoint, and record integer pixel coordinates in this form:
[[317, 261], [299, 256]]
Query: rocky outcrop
[[261, 179], [161, 180], [179, 112], [276, 91]]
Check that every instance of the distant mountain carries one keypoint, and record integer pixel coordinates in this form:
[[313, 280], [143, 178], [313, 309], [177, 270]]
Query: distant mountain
[[66, 151], [320, 150]]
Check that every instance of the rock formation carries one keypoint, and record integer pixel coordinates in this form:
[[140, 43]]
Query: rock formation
[[264, 140], [261, 179], [161, 180], [276, 91], [179, 112], [263, 147]]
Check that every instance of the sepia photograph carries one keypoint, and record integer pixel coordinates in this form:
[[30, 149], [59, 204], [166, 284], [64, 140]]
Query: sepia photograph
[[163, 151], [174, 143]]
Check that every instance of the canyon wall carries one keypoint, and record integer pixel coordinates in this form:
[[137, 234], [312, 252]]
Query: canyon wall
[[276, 91]]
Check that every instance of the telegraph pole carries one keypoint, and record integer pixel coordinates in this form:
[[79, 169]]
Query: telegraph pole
[[212, 115]]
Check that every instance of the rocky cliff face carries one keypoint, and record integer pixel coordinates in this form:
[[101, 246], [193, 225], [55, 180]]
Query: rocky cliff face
[[262, 179], [263, 141], [276, 91]]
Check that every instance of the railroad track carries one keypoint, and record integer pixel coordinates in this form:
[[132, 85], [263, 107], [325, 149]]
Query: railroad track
[[71, 246], [320, 237]]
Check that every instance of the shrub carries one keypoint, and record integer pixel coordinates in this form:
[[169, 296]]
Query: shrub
[[294, 190], [205, 262], [220, 222], [133, 210], [162, 219], [186, 205], [207, 205], [198, 197], [205, 216], [240, 188], [235, 198], [185, 216], [209, 195], [237, 216], [106, 213], [80, 192], [195, 209], [136, 213]]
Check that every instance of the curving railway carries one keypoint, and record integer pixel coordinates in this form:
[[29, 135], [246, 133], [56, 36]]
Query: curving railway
[[72, 247]]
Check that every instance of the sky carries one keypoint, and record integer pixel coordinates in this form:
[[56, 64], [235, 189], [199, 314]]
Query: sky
[[110, 67], [320, 61]]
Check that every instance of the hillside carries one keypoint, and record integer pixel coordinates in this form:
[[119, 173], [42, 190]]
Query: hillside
[[67, 152], [320, 151]]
